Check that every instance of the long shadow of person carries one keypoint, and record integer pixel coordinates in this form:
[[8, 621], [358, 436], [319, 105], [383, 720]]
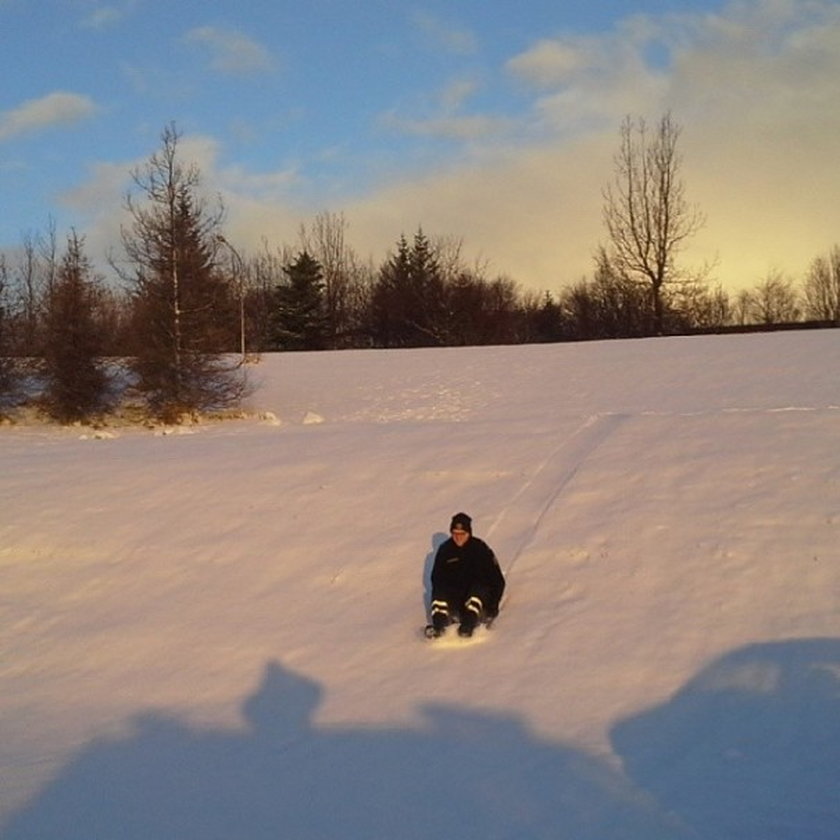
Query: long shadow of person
[[749, 748], [478, 775]]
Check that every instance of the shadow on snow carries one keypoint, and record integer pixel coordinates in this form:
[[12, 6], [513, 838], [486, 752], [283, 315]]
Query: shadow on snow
[[438, 539], [749, 748]]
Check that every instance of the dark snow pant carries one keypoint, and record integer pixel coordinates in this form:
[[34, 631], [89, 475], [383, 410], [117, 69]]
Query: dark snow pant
[[468, 607]]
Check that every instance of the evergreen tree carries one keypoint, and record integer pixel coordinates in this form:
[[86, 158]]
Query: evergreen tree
[[76, 383], [547, 321], [184, 312], [466, 297], [408, 306], [389, 303], [300, 318], [8, 367]]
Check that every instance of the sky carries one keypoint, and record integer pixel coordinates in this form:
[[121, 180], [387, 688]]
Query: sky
[[493, 123]]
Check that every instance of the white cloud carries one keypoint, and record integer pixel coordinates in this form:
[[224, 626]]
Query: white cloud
[[447, 121], [456, 93], [231, 51], [590, 82], [100, 201], [262, 185], [458, 41], [104, 16], [448, 126], [553, 62], [54, 109]]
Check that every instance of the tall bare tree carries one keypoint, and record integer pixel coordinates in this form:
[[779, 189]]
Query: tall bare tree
[[185, 311], [645, 210], [774, 300], [344, 276], [324, 241], [822, 287]]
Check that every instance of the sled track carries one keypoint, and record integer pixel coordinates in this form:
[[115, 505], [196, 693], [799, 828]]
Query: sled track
[[549, 480]]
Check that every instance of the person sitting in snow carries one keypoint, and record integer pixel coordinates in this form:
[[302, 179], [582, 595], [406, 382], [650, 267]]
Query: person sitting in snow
[[467, 582]]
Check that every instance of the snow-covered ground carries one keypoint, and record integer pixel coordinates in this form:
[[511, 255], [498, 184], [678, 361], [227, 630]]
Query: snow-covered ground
[[216, 634]]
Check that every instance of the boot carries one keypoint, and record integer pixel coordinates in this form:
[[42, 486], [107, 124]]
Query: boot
[[467, 625], [440, 621]]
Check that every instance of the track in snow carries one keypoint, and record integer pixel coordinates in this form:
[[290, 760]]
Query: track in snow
[[548, 481]]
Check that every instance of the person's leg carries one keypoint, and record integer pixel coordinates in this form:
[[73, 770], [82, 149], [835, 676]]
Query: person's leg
[[440, 613], [477, 608], [471, 613]]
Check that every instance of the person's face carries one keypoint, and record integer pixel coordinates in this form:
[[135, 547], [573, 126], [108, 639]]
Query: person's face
[[459, 536]]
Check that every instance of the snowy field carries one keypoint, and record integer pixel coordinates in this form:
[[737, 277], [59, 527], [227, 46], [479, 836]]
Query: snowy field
[[215, 634]]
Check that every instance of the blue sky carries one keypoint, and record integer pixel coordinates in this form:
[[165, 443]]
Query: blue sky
[[490, 121]]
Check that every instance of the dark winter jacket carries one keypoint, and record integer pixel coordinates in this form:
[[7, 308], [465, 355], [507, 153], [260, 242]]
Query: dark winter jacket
[[472, 569]]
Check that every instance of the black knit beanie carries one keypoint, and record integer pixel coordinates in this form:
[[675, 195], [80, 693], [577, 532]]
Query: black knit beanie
[[461, 521]]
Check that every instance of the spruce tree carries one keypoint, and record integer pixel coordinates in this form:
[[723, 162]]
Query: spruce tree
[[184, 313], [390, 302], [76, 383], [300, 318], [408, 306], [8, 366]]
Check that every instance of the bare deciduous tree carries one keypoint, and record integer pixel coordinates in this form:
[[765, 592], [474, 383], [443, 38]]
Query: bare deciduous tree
[[646, 213], [822, 287], [774, 300], [695, 305], [326, 241]]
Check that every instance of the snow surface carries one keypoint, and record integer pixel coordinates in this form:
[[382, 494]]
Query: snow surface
[[215, 633]]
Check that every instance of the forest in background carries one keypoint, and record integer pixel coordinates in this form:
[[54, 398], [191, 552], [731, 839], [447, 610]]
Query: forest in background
[[186, 309]]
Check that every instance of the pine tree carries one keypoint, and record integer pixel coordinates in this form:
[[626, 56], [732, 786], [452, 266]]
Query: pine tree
[[389, 304], [76, 383], [300, 319], [8, 367], [408, 306], [184, 313]]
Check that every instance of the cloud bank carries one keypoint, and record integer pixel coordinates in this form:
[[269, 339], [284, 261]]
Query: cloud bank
[[753, 87]]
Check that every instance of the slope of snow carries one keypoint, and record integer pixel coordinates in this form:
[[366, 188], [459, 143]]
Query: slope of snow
[[215, 633]]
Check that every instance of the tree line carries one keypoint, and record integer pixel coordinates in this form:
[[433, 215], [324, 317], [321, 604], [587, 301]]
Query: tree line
[[189, 310]]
